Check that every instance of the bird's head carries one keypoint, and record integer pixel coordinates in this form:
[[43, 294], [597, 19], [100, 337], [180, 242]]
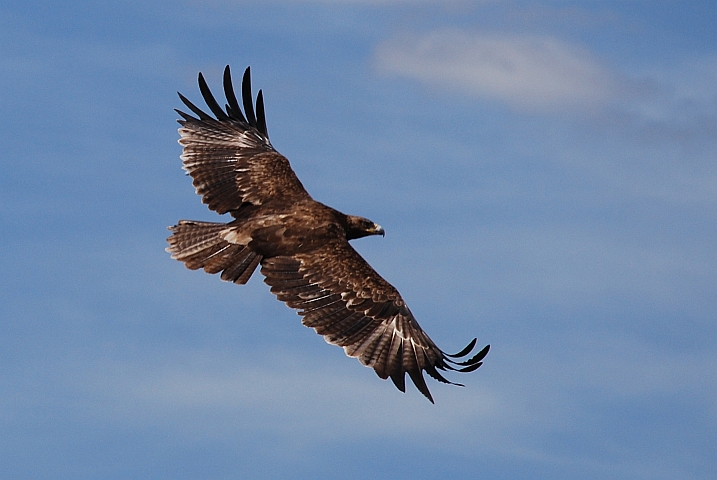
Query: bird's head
[[362, 227]]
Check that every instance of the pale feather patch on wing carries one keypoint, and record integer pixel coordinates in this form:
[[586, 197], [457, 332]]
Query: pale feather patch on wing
[[343, 299], [235, 236]]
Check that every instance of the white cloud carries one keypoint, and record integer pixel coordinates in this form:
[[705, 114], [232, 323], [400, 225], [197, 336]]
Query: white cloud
[[528, 72]]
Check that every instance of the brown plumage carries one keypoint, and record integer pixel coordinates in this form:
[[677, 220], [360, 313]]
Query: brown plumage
[[301, 244]]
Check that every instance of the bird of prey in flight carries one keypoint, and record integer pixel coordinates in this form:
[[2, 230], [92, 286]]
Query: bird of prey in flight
[[302, 245]]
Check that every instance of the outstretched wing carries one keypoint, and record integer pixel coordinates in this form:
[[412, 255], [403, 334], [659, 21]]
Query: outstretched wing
[[340, 296], [230, 157]]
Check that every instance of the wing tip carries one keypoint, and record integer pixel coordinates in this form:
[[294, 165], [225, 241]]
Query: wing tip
[[251, 117], [246, 98]]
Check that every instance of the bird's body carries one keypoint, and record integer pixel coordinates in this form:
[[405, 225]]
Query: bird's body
[[301, 244]]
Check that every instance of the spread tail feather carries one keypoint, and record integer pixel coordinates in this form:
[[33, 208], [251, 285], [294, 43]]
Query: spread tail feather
[[200, 245]]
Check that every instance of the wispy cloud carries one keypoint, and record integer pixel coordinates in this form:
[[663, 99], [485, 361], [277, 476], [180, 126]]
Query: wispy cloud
[[675, 103], [293, 396], [535, 391], [527, 72], [540, 73]]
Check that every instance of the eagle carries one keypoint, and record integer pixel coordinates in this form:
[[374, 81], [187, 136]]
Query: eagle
[[302, 245]]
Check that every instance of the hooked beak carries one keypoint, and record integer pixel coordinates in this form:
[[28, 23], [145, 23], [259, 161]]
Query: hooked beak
[[378, 230]]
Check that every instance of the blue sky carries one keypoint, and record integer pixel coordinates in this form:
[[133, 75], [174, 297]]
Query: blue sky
[[546, 173]]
